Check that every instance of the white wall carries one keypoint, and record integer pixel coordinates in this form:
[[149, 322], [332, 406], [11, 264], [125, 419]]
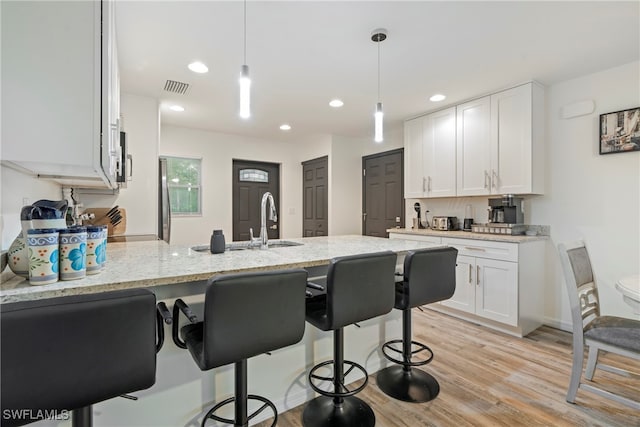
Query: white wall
[[217, 151], [589, 196], [141, 120], [16, 187]]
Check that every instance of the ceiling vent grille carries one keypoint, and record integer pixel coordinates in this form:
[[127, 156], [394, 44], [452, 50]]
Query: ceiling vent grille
[[176, 87]]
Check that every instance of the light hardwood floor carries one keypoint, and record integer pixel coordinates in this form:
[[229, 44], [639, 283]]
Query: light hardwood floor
[[488, 378]]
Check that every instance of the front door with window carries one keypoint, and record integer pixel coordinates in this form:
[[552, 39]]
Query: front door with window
[[250, 181]]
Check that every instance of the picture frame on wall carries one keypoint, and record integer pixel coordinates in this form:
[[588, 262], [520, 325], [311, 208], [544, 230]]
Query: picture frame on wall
[[620, 131]]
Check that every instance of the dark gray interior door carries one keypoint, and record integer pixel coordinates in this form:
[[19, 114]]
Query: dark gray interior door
[[250, 181], [382, 193], [315, 197]]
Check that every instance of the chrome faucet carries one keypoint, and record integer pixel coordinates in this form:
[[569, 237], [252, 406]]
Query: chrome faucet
[[263, 239]]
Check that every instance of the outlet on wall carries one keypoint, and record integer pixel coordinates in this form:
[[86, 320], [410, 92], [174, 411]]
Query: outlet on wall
[[26, 201]]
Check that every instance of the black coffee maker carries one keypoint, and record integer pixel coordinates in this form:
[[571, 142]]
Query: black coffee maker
[[506, 210]]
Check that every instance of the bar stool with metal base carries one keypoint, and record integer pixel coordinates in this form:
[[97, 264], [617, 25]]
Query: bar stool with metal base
[[358, 288], [69, 353], [429, 276], [244, 315]]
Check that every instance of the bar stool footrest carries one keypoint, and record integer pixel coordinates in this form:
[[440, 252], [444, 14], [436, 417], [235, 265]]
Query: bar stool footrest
[[421, 347], [267, 404], [346, 392]]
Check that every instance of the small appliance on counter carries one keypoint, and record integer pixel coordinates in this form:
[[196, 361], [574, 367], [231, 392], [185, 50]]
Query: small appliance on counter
[[468, 218], [417, 222], [444, 223], [505, 217], [506, 210]]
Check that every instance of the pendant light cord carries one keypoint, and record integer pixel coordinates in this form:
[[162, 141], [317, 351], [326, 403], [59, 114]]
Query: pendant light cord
[[245, 32], [378, 70]]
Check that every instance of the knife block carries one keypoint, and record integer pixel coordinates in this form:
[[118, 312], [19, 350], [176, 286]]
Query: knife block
[[102, 219]]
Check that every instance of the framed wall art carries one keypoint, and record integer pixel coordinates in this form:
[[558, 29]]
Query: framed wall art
[[620, 131]]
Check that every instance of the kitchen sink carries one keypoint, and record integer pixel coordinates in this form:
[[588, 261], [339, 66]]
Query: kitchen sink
[[242, 246]]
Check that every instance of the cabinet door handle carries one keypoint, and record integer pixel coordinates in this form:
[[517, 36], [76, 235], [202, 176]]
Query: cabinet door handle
[[470, 270], [478, 275], [486, 179], [494, 179], [424, 185], [471, 248]]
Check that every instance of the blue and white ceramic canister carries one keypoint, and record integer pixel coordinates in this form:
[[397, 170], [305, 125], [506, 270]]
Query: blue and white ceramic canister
[[96, 248], [105, 234], [73, 253], [42, 246]]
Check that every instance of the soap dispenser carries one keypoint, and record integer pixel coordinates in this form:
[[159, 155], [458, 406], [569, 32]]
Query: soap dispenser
[[217, 242]]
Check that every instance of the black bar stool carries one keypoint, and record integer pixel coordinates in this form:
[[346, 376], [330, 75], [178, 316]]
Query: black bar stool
[[244, 315], [69, 353], [358, 288], [429, 276]]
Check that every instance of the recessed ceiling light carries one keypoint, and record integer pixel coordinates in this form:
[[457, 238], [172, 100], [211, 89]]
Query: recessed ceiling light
[[285, 127], [437, 98], [176, 108], [336, 103], [198, 67]]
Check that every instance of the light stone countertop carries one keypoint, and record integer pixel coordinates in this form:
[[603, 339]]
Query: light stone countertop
[[468, 235], [155, 264]]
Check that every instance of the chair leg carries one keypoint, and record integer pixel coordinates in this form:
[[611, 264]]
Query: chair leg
[[338, 411], [241, 416], [592, 361], [82, 417], [404, 382], [576, 372]]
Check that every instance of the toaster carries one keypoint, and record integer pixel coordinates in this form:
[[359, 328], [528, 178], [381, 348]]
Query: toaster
[[444, 223]]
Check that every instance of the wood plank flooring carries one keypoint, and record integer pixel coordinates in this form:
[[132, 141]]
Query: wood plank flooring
[[488, 378]]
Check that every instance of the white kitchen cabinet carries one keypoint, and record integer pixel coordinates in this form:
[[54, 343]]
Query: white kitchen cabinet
[[485, 287], [413, 152], [498, 284], [499, 143], [430, 153], [60, 91], [473, 147]]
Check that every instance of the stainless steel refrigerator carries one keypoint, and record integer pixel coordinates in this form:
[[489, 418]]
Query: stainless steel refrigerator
[[164, 207]]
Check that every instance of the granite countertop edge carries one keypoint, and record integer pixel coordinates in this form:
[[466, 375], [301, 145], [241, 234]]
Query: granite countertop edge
[[469, 235], [157, 264]]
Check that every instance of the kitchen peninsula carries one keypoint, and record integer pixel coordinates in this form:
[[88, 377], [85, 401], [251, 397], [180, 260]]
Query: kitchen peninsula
[[182, 390], [179, 270]]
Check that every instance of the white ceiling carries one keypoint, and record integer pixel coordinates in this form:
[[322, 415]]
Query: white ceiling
[[302, 54]]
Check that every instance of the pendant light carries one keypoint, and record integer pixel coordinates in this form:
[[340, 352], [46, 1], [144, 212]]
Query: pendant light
[[245, 81], [379, 35]]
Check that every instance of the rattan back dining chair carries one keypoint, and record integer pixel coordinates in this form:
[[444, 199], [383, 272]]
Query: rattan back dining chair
[[609, 333]]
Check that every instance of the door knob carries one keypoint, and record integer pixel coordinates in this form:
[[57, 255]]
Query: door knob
[[274, 227]]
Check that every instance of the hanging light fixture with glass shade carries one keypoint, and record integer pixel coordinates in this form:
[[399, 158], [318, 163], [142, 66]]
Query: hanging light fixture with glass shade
[[378, 35], [245, 81]]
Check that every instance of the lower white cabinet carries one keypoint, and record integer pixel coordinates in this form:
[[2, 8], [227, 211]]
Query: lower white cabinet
[[487, 288], [498, 284]]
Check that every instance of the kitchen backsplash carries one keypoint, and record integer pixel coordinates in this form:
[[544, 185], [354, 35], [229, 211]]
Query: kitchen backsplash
[[455, 206]]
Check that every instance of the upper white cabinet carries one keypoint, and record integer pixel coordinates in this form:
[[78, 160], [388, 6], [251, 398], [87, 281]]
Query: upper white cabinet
[[430, 155], [60, 94], [474, 147], [414, 186], [490, 145], [500, 146]]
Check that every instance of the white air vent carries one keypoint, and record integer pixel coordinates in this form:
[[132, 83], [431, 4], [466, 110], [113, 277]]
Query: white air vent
[[176, 87]]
